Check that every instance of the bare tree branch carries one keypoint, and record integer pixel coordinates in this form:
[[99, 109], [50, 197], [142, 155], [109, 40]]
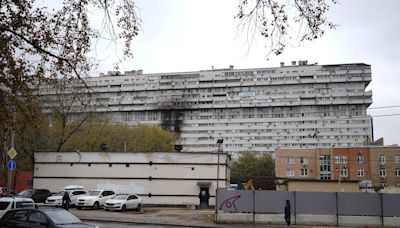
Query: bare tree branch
[[276, 23], [49, 53]]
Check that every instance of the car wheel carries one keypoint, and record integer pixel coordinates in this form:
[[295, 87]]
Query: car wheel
[[139, 207], [123, 208], [78, 208], [96, 206]]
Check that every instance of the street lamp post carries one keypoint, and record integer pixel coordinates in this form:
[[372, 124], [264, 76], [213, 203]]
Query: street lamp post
[[219, 142], [340, 171]]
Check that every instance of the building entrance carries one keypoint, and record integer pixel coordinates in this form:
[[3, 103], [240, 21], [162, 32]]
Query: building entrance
[[204, 196]]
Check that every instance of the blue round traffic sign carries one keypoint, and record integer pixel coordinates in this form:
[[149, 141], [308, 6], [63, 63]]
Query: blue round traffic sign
[[11, 165]]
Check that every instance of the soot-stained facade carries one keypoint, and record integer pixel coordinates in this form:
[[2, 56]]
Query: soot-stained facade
[[259, 109]]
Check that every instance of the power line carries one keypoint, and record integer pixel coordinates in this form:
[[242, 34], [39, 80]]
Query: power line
[[387, 115], [382, 107]]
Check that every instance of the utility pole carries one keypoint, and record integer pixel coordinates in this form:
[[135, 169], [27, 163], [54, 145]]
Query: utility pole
[[5, 154]]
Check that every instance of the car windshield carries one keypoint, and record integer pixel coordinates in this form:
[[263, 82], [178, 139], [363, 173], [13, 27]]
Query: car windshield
[[120, 196], [92, 193], [26, 193], [59, 193], [4, 205], [61, 217]]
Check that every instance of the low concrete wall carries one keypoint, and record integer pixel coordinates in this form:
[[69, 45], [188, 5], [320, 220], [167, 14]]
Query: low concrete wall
[[391, 221], [223, 217], [307, 219], [365, 221], [271, 218]]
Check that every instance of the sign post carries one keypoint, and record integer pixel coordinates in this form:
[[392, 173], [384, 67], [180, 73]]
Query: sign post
[[11, 165], [11, 153]]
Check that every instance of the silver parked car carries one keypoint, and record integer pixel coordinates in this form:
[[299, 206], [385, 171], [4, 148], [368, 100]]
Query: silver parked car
[[94, 198], [42, 217], [123, 202]]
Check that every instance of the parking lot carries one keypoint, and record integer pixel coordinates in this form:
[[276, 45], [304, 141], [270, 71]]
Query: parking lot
[[151, 215]]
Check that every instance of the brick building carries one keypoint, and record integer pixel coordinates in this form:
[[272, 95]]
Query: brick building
[[352, 163], [379, 164], [385, 166], [296, 164]]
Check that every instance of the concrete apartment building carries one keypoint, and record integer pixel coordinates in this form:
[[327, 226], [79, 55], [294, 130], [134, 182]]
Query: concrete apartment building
[[379, 164], [259, 109]]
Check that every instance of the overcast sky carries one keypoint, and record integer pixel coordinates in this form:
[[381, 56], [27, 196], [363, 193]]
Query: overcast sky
[[183, 35]]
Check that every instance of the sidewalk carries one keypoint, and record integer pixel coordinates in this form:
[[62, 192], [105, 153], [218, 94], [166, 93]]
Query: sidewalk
[[165, 216], [158, 216]]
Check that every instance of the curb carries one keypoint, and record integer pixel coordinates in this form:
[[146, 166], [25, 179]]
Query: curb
[[126, 221]]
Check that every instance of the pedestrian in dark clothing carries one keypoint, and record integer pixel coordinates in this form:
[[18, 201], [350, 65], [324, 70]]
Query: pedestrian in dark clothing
[[66, 200], [287, 213]]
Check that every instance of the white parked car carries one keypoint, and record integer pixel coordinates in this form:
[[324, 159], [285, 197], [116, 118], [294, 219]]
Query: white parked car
[[94, 198], [56, 200], [8, 203], [123, 202]]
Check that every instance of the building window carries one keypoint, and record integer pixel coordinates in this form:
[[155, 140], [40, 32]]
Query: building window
[[289, 160], [397, 172], [304, 172], [342, 159], [303, 160], [325, 167], [343, 172], [290, 173], [360, 172], [397, 159], [360, 158], [382, 172], [382, 159]]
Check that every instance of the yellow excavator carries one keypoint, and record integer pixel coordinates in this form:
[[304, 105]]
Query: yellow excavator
[[248, 185]]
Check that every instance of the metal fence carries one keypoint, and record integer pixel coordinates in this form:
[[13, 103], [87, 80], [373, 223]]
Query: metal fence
[[311, 203]]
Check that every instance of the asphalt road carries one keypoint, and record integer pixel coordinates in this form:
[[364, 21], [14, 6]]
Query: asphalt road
[[120, 225]]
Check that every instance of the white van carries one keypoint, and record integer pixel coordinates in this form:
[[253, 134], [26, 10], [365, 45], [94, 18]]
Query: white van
[[8, 203]]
